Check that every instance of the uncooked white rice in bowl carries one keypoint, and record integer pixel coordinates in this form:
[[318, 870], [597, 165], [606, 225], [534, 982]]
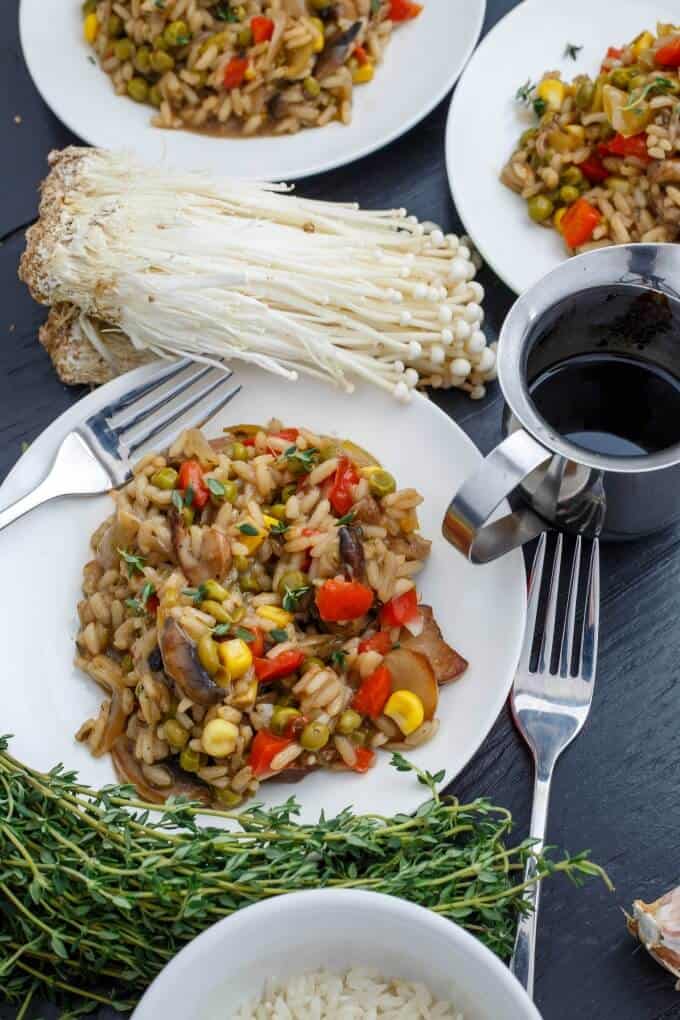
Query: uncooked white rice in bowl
[[357, 994]]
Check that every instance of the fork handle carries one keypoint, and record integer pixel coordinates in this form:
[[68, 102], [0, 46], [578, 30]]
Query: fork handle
[[524, 952], [74, 472]]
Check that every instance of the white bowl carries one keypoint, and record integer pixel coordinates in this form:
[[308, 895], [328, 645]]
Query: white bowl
[[285, 936]]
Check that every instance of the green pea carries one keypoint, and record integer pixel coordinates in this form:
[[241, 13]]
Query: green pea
[[161, 62], [348, 722], [155, 97], [215, 609], [241, 563], [278, 510], [245, 37], [249, 582], [572, 175], [569, 194], [314, 736], [114, 26], [159, 43], [381, 483], [287, 491], [143, 59], [177, 33], [540, 208], [230, 491], [359, 737], [292, 579], [311, 87], [138, 90], [237, 451], [313, 660], [226, 797], [164, 478], [124, 49], [208, 654], [584, 94], [190, 760], [282, 717], [175, 734], [620, 77]]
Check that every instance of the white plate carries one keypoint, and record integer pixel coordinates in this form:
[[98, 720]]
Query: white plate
[[480, 609], [422, 62], [485, 121]]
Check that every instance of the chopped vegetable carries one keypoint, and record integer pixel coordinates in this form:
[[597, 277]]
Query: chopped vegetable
[[365, 759], [668, 55], [400, 610], [340, 493], [264, 749], [552, 92], [191, 478], [235, 72], [635, 145], [287, 662], [278, 616], [405, 709], [404, 10], [593, 169], [380, 642], [236, 657], [219, 738], [371, 697], [91, 28], [262, 29], [412, 671], [579, 222], [343, 600]]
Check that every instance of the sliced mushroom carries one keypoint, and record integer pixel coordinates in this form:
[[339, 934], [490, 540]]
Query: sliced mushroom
[[129, 770], [182, 664], [215, 558], [367, 510], [666, 171], [108, 675], [294, 774], [413, 547], [445, 660], [411, 671], [336, 51], [278, 107], [351, 552]]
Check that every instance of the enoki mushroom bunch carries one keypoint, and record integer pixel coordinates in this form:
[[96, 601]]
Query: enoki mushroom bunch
[[187, 264]]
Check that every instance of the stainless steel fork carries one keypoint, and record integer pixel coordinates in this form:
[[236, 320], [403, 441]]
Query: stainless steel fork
[[551, 708], [95, 456]]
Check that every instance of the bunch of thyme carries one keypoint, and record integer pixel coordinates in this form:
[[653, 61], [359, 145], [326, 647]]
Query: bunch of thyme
[[98, 891]]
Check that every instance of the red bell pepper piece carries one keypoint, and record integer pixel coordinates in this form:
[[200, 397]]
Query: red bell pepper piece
[[634, 145], [361, 55], [264, 749], [152, 604], [404, 10], [257, 644], [364, 760], [191, 476], [343, 600], [380, 642], [288, 434], [262, 28], [402, 608], [613, 53], [235, 72], [668, 55], [593, 169], [579, 222], [372, 696], [267, 670], [340, 495]]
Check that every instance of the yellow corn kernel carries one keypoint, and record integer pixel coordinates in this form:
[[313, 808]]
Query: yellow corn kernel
[[551, 91], [249, 73], [406, 709], [278, 616], [559, 216], [577, 132], [219, 738], [366, 472], [270, 522], [245, 698], [236, 657], [409, 522], [363, 74], [252, 542], [319, 37], [641, 42], [91, 28]]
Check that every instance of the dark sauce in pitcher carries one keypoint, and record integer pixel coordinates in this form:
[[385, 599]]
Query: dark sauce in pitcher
[[605, 371]]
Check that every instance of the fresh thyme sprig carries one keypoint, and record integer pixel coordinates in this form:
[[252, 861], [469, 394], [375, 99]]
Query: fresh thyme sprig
[[98, 891], [572, 51]]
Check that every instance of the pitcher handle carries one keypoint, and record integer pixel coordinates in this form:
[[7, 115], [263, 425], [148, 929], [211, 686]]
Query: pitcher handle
[[465, 523]]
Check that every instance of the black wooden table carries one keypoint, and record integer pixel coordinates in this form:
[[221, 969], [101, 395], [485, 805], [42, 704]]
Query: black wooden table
[[617, 790]]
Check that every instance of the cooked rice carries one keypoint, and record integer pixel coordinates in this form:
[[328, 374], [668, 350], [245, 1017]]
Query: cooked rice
[[145, 577], [358, 994], [632, 103], [218, 78]]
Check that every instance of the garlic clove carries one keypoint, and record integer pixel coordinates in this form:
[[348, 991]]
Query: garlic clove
[[657, 926]]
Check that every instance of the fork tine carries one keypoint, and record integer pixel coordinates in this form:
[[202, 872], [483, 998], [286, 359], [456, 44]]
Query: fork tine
[[591, 626], [131, 412], [195, 416], [150, 425], [548, 639], [164, 375], [536, 578], [567, 646]]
